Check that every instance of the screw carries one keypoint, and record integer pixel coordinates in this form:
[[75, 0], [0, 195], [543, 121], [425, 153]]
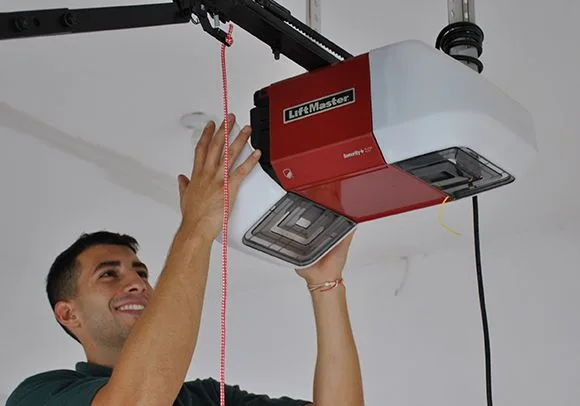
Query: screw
[[70, 19], [22, 24]]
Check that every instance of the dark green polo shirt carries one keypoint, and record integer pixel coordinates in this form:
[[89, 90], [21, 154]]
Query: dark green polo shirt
[[78, 388]]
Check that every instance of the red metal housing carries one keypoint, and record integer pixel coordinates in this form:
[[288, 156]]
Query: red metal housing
[[322, 145]]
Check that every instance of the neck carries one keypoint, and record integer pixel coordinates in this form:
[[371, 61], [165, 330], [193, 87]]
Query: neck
[[104, 356]]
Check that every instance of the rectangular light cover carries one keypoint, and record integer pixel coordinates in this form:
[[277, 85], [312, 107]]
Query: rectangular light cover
[[458, 172], [297, 230]]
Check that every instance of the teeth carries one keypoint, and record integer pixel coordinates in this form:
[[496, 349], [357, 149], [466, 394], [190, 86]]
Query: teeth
[[131, 307]]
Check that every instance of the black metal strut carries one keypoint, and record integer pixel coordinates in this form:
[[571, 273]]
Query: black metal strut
[[266, 20]]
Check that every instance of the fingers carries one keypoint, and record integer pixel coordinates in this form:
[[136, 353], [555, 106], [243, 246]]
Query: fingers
[[245, 168], [348, 240], [202, 147], [238, 145], [216, 147], [182, 182], [209, 152], [350, 236]]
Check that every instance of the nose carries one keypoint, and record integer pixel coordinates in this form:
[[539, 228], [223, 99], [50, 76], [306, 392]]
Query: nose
[[134, 282]]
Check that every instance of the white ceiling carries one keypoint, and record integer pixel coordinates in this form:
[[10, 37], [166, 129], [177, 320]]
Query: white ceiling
[[125, 92]]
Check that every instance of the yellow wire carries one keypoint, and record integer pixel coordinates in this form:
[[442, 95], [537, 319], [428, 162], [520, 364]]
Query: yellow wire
[[441, 221]]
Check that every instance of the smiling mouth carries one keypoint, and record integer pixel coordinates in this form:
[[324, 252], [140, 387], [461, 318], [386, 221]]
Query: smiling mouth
[[131, 309]]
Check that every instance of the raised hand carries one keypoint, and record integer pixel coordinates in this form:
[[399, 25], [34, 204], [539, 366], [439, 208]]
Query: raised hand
[[331, 266], [201, 196]]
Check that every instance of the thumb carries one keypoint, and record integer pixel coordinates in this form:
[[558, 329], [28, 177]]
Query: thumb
[[182, 182]]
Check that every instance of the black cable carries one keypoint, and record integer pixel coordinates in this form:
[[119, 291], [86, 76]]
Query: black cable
[[469, 34], [462, 33], [482, 306]]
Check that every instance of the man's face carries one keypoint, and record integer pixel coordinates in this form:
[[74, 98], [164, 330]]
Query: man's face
[[112, 291]]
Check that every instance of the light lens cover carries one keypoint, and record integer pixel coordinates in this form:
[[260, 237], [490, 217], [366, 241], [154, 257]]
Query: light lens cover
[[458, 172], [297, 230]]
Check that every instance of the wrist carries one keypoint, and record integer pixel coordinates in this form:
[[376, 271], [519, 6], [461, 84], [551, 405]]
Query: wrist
[[314, 279], [325, 286], [193, 234]]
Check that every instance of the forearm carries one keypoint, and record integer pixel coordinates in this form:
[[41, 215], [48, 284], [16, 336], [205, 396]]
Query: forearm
[[156, 356], [337, 379]]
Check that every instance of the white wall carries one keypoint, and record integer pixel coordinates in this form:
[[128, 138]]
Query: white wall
[[424, 346], [429, 338]]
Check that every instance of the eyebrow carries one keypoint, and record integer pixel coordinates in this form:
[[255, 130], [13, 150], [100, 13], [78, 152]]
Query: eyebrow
[[110, 264]]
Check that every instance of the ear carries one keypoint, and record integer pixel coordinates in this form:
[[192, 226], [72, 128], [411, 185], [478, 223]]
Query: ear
[[66, 314]]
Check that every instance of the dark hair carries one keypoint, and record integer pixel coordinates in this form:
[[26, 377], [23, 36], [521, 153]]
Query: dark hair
[[61, 282]]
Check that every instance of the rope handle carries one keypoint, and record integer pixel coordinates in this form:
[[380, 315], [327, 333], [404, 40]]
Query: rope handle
[[229, 40]]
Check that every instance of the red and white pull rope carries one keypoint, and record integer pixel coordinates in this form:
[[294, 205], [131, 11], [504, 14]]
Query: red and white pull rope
[[229, 40]]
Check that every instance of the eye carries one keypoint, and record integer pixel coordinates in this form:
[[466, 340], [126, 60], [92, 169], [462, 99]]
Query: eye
[[144, 274], [110, 273]]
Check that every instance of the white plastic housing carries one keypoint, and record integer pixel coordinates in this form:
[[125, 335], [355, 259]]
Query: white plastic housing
[[424, 101]]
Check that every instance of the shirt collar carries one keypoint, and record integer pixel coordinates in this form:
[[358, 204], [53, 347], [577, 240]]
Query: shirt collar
[[89, 369]]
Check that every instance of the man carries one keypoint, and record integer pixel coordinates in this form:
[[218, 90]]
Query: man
[[139, 345]]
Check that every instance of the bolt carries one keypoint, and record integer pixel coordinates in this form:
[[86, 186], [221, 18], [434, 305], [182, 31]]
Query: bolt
[[22, 24], [70, 19]]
